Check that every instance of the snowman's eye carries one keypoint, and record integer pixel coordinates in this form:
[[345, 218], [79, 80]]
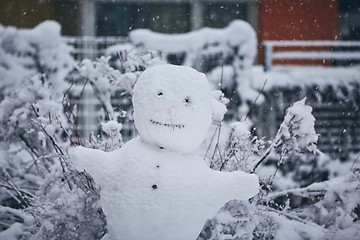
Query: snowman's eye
[[187, 101], [160, 94]]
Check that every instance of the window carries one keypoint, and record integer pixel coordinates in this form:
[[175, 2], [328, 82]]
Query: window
[[219, 15], [118, 19]]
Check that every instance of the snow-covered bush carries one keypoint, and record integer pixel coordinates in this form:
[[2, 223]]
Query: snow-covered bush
[[237, 151], [307, 206], [26, 52], [333, 93], [234, 221], [110, 80], [40, 196]]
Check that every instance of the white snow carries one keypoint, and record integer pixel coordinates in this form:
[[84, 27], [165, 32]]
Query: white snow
[[315, 43], [172, 107], [13, 232], [316, 55], [205, 41], [113, 136], [298, 125], [304, 76], [218, 106], [296, 230], [154, 187], [26, 52], [150, 193], [221, 77], [241, 129], [111, 128]]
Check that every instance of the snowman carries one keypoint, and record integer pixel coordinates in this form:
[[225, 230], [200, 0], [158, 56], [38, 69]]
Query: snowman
[[156, 187]]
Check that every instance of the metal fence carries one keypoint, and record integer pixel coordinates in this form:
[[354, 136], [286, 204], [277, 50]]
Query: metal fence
[[90, 113], [89, 110], [92, 47]]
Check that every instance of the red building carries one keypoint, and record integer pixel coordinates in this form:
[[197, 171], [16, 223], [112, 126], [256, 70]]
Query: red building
[[298, 20]]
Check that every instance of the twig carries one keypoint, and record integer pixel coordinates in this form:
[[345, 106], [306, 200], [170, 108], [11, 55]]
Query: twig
[[109, 111], [314, 190], [67, 91], [71, 114], [289, 216], [222, 74], [264, 157], [20, 191], [32, 150], [229, 155], [274, 144], [217, 143], [254, 102], [211, 141], [122, 61], [67, 134], [357, 158], [272, 178], [14, 188], [34, 162], [83, 87], [56, 147]]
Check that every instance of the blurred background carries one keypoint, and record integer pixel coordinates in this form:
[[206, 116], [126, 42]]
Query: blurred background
[[271, 19], [271, 36], [285, 76]]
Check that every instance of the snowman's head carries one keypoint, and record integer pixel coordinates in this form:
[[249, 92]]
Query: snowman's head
[[172, 107]]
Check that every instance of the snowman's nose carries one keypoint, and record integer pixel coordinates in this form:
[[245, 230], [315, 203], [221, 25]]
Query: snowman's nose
[[172, 111]]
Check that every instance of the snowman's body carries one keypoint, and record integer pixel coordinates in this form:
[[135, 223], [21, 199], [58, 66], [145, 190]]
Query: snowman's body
[[154, 187]]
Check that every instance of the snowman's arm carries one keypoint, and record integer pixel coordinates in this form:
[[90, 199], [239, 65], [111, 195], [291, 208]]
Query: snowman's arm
[[91, 160], [235, 185]]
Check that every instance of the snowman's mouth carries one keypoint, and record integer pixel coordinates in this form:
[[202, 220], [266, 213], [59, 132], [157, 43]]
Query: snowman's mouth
[[170, 125]]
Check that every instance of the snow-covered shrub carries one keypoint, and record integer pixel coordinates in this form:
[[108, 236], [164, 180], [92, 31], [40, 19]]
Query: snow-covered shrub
[[296, 133], [26, 52], [234, 221], [324, 210], [40, 196], [110, 80], [296, 140], [110, 140], [238, 151], [66, 206], [308, 206], [32, 71], [130, 60], [333, 93]]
